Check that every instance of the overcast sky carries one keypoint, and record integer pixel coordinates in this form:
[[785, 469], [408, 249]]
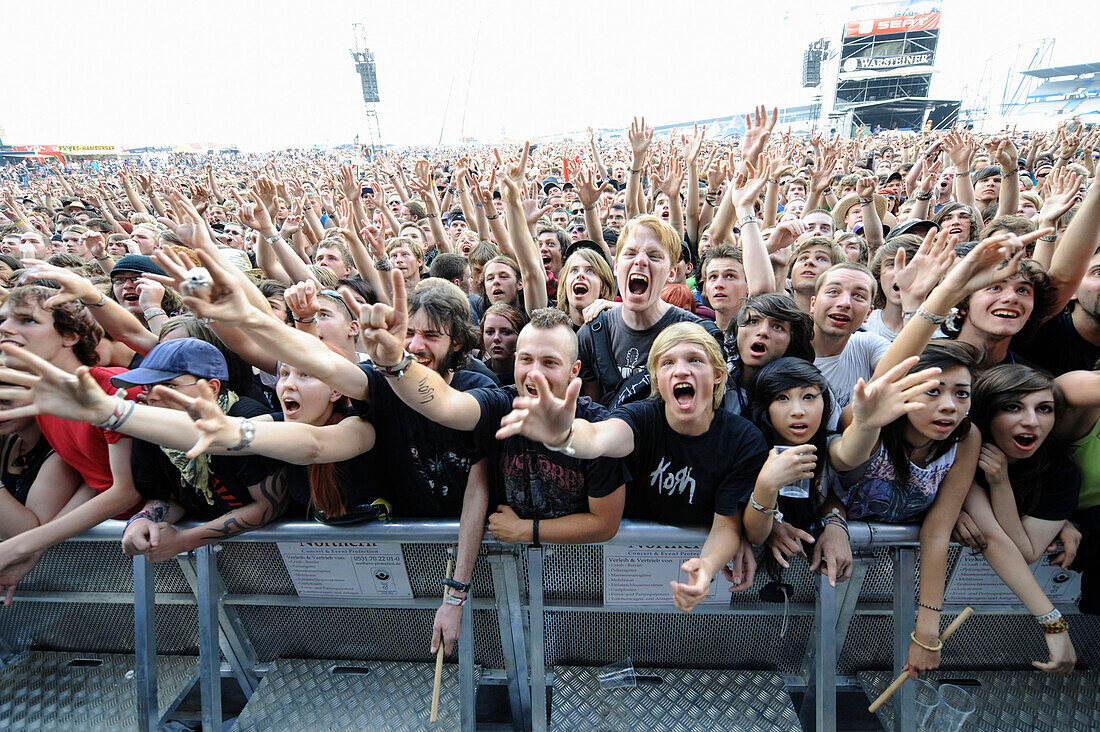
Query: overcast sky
[[275, 73]]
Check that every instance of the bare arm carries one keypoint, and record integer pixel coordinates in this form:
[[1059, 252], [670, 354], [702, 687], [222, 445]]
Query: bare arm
[[1071, 257]]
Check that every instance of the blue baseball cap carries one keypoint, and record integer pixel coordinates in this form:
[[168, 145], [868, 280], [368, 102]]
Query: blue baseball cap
[[177, 357]]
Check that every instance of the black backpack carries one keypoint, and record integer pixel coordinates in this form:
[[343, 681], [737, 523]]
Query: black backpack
[[632, 388]]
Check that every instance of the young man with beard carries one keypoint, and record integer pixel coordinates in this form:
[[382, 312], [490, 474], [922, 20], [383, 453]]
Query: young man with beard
[[614, 371], [541, 494], [840, 305], [427, 464]]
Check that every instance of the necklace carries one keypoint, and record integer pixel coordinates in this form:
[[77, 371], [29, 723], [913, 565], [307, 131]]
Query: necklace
[[20, 460]]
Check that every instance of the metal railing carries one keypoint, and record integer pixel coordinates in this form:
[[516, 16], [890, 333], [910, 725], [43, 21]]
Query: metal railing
[[519, 576]]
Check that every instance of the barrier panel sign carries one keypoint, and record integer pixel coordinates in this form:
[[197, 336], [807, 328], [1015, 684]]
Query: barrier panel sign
[[640, 574], [975, 583], [346, 569]]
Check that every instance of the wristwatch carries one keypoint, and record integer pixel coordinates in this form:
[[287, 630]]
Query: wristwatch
[[248, 434], [399, 368]]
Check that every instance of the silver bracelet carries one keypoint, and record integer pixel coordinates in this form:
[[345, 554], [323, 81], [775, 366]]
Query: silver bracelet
[[248, 434], [931, 317]]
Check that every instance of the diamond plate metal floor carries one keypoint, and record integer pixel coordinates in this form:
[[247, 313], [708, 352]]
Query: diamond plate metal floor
[[52, 691], [673, 700], [1010, 701], [307, 695]]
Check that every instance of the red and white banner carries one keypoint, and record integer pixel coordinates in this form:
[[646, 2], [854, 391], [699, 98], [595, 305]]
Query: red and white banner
[[897, 24]]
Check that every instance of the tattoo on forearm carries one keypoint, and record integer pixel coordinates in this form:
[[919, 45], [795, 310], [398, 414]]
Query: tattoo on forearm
[[426, 392], [158, 510], [274, 498]]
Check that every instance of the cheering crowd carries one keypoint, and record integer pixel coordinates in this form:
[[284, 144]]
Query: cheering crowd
[[798, 331]]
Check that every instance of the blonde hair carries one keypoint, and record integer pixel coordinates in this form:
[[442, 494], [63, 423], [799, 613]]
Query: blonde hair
[[668, 236], [685, 332], [603, 271], [404, 241]]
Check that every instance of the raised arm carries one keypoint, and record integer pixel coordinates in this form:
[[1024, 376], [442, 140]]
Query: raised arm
[[640, 136], [589, 196], [526, 251], [1075, 249], [1005, 152]]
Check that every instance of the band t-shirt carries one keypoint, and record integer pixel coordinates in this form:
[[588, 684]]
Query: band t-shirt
[[629, 347], [535, 481], [156, 477], [686, 479], [426, 465]]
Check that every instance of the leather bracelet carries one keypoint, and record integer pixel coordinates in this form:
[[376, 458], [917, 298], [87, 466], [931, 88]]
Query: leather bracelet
[[924, 196], [535, 532], [456, 585], [491, 218], [934, 649]]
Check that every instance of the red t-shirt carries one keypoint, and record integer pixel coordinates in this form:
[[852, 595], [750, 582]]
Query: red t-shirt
[[84, 446]]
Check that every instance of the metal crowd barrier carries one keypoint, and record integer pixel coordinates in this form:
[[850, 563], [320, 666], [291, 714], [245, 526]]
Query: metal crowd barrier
[[536, 617]]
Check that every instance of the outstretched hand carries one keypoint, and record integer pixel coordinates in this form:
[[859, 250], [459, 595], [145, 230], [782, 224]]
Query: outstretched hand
[[542, 417], [215, 428], [39, 387], [891, 395]]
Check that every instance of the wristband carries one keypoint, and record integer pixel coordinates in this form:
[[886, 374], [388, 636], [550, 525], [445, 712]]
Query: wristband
[[933, 608], [775, 513], [454, 600], [456, 585], [119, 414], [1048, 617], [273, 239], [566, 448], [491, 218], [101, 303], [865, 201], [1049, 237], [934, 649], [141, 515], [535, 528], [398, 369], [383, 264], [1061, 625], [924, 196], [105, 256], [310, 319], [152, 312], [750, 219], [931, 317], [590, 208]]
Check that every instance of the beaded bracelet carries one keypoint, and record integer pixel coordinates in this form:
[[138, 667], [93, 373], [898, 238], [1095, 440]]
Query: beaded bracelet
[[1058, 626], [933, 608]]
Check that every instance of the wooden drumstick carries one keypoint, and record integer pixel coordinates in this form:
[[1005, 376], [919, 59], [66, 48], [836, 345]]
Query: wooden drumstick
[[900, 680], [439, 655]]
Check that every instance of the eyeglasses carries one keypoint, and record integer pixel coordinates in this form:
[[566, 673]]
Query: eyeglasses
[[146, 388], [124, 280]]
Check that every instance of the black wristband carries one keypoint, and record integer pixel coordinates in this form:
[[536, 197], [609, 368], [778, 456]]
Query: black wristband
[[456, 585], [535, 533]]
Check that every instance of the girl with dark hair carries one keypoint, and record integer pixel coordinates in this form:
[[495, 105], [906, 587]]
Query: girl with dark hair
[[768, 327], [919, 467], [1026, 488]]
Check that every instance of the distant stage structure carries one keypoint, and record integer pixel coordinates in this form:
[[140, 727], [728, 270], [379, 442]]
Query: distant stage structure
[[364, 66]]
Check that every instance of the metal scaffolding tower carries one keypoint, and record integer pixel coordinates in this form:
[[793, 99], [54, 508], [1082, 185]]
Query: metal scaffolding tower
[[364, 66]]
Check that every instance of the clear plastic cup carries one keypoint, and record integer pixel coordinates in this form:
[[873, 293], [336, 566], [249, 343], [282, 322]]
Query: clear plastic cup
[[955, 707], [798, 489], [928, 697], [617, 675]]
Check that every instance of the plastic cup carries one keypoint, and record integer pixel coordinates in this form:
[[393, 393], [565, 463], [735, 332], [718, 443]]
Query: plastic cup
[[798, 489], [928, 698], [956, 705], [617, 675]]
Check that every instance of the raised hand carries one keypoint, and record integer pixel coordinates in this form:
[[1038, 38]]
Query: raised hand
[[73, 286], [226, 301], [542, 416], [960, 148], [640, 137], [865, 187], [757, 131], [933, 259], [691, 152], [670, 185], [1063, 187], [993, 260], [301, 300], [930, 176], [252, 215], [39, 387], [747, 186], [585, 181], [382, 327], [891, 395]]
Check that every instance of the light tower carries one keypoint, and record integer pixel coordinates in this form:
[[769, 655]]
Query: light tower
[[364, 66]]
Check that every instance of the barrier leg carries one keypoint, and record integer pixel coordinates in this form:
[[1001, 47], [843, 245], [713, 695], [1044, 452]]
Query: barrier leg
[[145, 647], [905, 615], [825, 656], [210, 659], [538, 646], [467, 691], [512, 639]]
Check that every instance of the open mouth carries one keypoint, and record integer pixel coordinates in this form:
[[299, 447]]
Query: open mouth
[[497, 294], [1006, 314], [1025, 441], [798, 428], [423, 360], [291, 407], [684, 394], [955, 230], [840, 320], [945, 425], [758, 349], [546, 258], [638, 284], [580, 288], [530, 389], [130, 298]]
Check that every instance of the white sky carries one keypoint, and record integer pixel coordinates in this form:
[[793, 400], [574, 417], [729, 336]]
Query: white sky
[[276, 73]]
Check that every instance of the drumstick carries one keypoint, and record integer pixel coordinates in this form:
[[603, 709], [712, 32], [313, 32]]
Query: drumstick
[[947, 633], [439, 655]]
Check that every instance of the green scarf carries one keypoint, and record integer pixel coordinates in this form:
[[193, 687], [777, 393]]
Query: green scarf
[[195, 473]]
